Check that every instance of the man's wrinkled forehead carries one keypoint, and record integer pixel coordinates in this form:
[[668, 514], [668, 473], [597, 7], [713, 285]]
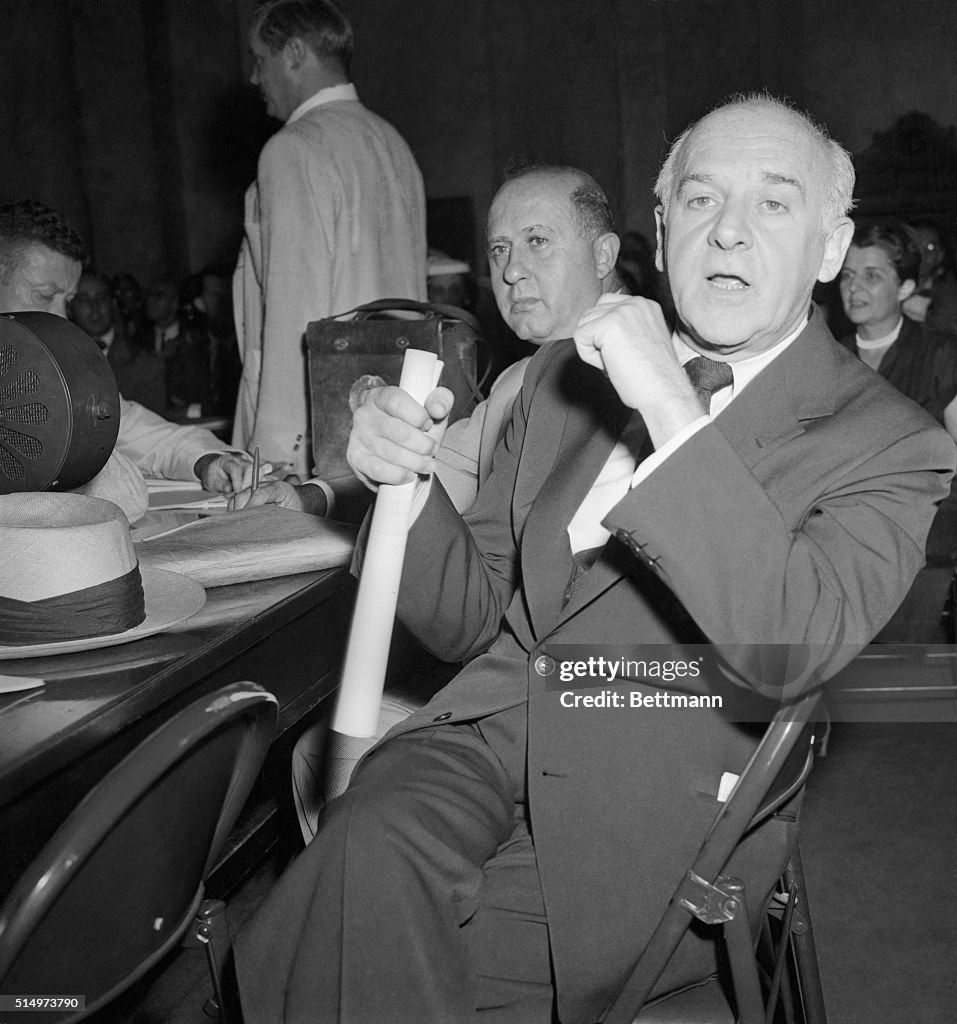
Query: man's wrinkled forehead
[[784, 150], [530, 195]]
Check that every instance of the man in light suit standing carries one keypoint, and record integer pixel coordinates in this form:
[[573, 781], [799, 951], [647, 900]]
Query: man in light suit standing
[[503, 852], [335, 218]]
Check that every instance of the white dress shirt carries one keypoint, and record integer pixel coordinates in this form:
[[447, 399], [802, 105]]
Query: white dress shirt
[[622, 470]]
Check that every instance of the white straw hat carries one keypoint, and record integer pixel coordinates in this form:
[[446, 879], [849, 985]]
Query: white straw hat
[[439, 264], [69, 579]]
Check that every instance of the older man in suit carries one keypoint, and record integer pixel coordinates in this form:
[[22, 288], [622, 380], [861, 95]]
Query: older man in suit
[[501, 853]]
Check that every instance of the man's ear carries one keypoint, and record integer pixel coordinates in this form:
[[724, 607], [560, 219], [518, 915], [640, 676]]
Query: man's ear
[[836, 244], [295, 52], [606, 253], [660, 238]]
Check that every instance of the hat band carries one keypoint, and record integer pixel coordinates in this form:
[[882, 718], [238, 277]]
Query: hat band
[[111, 607]]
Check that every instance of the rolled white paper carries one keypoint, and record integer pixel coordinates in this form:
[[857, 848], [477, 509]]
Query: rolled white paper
[[367, 652]]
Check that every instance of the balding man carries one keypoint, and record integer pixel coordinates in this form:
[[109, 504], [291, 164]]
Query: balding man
[[41, 258], [506, 850], [537, 211]]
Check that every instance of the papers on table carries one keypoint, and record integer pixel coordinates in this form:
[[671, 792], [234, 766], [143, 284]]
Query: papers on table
[[189, 495], [254, 544]]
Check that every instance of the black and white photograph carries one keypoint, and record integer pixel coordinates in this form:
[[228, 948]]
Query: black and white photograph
[[478, 512]]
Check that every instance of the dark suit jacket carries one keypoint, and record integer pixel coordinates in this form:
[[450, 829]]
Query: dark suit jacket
[[140, 374], [798, 516], [188, 378], [921, 364]]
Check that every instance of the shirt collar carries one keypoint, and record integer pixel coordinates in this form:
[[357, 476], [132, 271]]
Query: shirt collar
[[330, 94], [742, 370], [888, 339]]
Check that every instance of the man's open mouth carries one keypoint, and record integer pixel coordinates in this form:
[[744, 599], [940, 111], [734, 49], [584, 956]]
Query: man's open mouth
[[728, 282]]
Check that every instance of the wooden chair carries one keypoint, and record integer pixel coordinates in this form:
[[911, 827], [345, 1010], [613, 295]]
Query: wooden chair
[[774, 976], [120, 882]]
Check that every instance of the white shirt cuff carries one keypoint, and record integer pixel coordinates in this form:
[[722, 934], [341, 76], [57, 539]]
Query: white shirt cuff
[[328, 492], [659, 455]]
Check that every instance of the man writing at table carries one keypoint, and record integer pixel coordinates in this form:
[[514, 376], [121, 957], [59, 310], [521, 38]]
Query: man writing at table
[[41, 258], [497, 851]]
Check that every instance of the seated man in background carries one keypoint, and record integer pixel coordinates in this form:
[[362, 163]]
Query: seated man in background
[[448, 281], [140, 374], [209, 296], [128, 293], [742, 482], [540, 297], [41, 258], [183, 349], [563, 261]]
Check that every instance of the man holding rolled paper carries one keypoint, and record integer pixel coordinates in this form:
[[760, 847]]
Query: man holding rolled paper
[[744, 485]]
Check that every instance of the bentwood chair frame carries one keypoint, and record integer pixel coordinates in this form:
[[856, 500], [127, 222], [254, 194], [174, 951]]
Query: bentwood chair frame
[[120, 882]]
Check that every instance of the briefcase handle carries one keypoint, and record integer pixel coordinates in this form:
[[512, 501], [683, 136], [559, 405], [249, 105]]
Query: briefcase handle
[[414, 306]]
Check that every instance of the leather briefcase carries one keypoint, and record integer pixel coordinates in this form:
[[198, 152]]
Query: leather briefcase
[[373, 340]]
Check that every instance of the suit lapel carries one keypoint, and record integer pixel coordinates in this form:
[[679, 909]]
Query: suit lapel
[[594, 420], [796, 387]]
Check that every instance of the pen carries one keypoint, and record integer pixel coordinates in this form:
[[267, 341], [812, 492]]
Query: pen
[[254, 483]]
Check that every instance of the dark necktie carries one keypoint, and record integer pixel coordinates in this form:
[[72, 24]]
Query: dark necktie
[[708, 376], [102, 343], [582, 561]]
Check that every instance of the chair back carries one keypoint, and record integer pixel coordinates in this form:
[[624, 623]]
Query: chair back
[[119, 882]]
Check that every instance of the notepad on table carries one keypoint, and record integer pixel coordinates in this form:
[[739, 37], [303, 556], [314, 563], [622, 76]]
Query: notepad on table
[[253, 544]]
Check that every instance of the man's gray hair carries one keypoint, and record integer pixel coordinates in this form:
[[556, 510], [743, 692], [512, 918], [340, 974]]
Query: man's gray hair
[[593, 212], [838, 166]]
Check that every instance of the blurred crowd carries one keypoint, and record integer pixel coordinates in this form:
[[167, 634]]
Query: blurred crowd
[[172, 345]]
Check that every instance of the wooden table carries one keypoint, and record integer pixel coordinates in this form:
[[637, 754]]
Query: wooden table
[[287, 634]]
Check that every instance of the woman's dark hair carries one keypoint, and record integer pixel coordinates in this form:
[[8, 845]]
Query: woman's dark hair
[[895, 240]]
